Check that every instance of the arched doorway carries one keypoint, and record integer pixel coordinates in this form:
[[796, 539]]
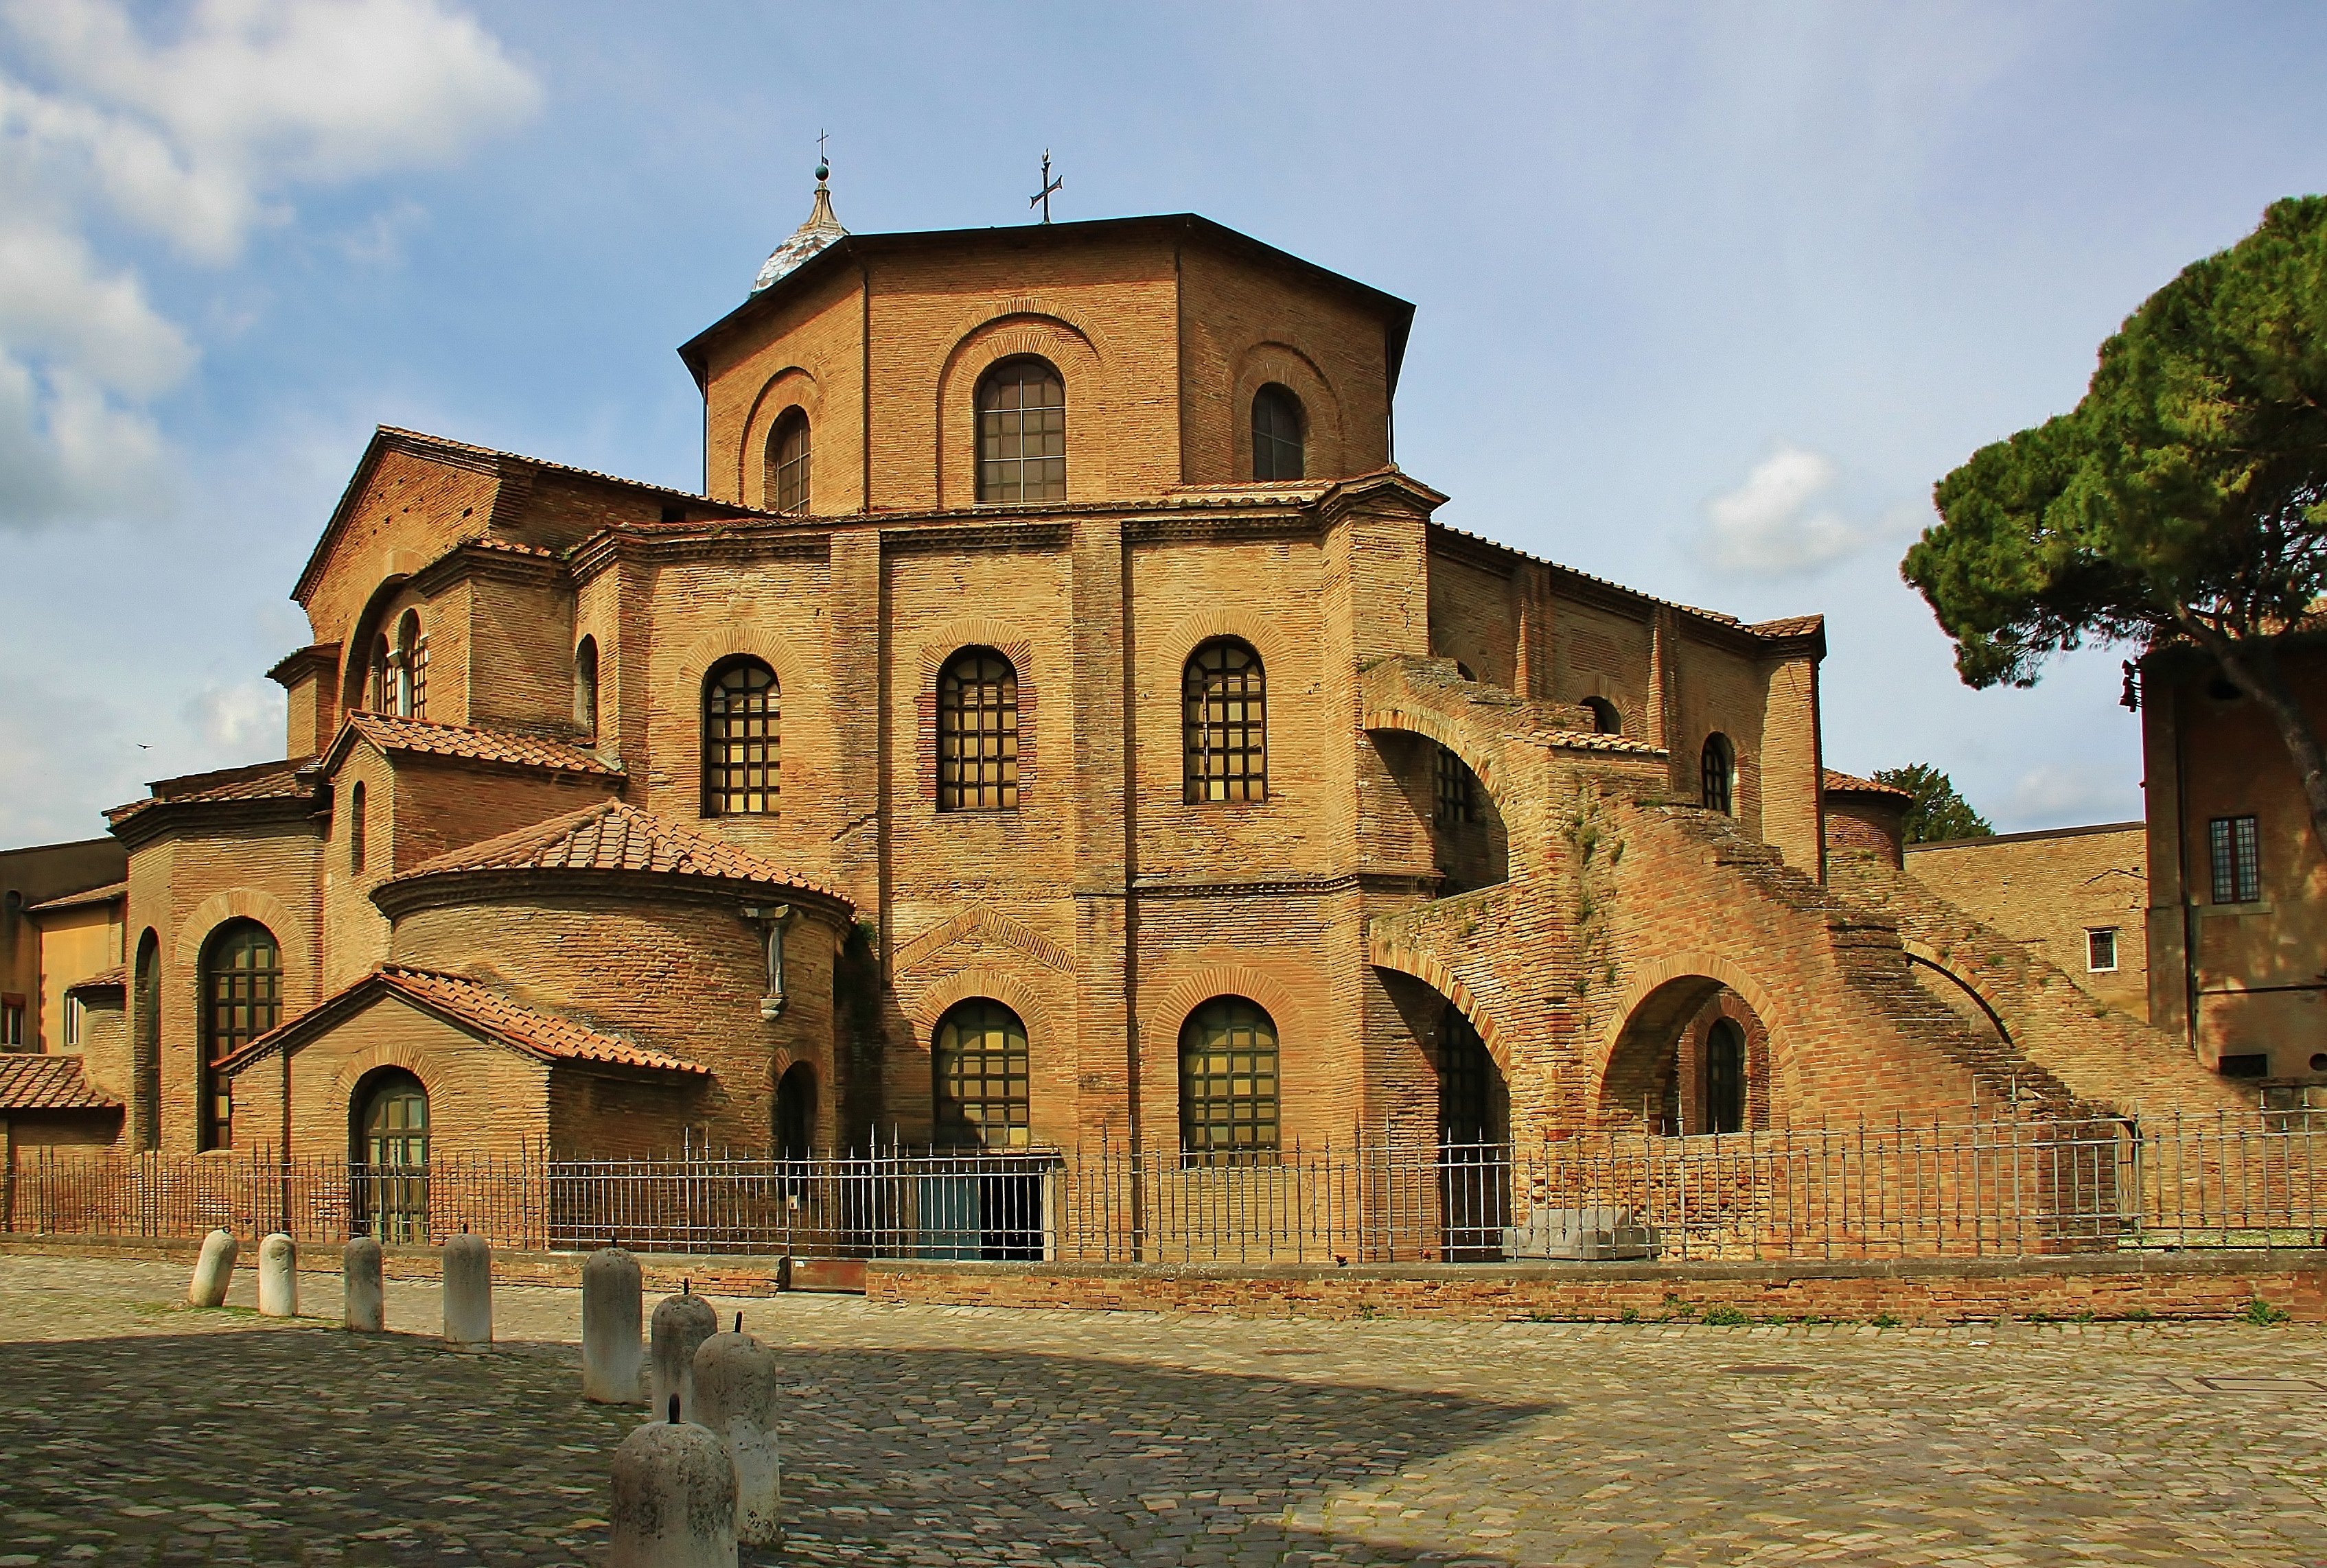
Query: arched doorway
[[391, 1157], [1474, 1155], [989, 1205], [1693, 1059], [796, 1112]]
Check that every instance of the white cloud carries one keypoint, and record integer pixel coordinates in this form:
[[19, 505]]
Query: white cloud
[[199, 136], [242, 721], [2053, 795], [1773, 525]]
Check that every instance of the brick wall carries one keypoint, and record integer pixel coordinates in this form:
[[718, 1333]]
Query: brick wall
[[2048, 890]]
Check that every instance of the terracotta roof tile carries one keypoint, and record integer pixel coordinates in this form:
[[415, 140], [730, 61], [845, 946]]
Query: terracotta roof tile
[[104, 895], [491, 1012], [115, 977], [48, 1083], [391, 733], [290, 780], [1787, 626], [1591, 741], [613, 837], [1840, 783]]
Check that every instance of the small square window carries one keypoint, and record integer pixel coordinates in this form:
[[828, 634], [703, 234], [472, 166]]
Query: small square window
[[2247, 1065], [2100, 949]]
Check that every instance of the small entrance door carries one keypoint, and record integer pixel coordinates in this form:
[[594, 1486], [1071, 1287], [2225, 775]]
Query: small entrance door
[[392, 1184]]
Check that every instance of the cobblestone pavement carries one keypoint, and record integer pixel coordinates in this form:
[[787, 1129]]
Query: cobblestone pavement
[[133, 1431]]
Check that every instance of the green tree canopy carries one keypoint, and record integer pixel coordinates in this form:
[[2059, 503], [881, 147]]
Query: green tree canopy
[[1939, 812], [2180, 501]]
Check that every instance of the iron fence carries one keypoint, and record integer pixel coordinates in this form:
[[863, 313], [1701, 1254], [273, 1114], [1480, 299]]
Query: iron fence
[[2015, 1186]]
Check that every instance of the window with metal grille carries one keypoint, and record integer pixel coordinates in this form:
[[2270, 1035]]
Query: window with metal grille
[[2100, 949], [242, 989], [741, 755], [1724, 1077], [983, 1073], [2236, 847], [1277, 437], [1717, 772], [1468, 1082], [1456, 800], [392, 1195], [1228, 1084], [787, 471], [1226, 722], [1022, 432], [978, 732]]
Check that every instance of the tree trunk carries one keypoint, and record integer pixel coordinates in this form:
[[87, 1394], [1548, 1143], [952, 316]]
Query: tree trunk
[[2254, 671]]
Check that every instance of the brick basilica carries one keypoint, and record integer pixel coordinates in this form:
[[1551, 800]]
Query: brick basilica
[[1058, 720]]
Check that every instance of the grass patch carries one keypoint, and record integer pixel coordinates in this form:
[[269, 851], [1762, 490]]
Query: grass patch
[[2263, 1315], [1885, 1320], [1725, 1318]]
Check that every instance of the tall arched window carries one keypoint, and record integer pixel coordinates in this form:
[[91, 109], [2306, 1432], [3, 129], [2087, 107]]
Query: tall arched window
[[146, 1063], [380, 689], [786, 477], [1278, 434], [1717, 767], [391, 1124], [242, 999], [1605, 719], [1225, 723], [1228, 1084], [982, 1071], [978, 732], [1022, 432], [411, 668], [356, 829], [796, 1112], [1469, 1083], [742, 753], [585, 685], [1724, 1077]]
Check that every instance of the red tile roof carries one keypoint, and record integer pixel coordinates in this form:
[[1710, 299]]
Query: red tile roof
[[115, 977], [476, 1006], [613, 837], [104, 895], [290, 780], [48, 1083], [1839, 783], [391, 733], [1789, 626], [1592, 741]]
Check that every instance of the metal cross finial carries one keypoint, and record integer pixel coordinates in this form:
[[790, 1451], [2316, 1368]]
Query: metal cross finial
[[1049, 185]]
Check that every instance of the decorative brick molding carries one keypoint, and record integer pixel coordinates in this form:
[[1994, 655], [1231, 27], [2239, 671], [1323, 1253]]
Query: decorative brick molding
[[1067, 347], [792, 387], [1263, 634], [1385, 951], [1297, 370], [955, 636], [1182, 995], [986, 922], [289, 930], [923, 1007]]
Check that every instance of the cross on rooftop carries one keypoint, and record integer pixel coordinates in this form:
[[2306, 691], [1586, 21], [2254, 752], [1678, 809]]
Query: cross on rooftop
[[1049, 185]]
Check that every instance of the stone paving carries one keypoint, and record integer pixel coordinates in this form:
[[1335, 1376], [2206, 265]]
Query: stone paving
[[133, 1431]]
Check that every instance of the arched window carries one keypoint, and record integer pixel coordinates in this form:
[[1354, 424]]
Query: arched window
[[1468, 1083], [1718, 769], [411, 661], [1277, 433], [742, 753], [1022, 432], [585, 685], [982, 1071], [1605, 719], [242, 999], [796, 1112], [1226, 722], [978, 732], [1228, 1084], [1457, 794], [391, 1126], [787, 478], [356, 828], [1724, 1077], [381, 690], [147, 1064]]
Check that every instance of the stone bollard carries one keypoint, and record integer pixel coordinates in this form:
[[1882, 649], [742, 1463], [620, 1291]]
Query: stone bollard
[[673, 1497], [213, 1270], [611, 1305], [363, 1288], [278, 1276], [468, 1291], [681, 1324], [735, 1397]]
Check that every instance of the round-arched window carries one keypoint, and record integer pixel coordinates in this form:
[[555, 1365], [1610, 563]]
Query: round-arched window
[[1022, 432], [585, 685], [242, 999], [391, 1139], [796, 1112], [984, 1073], [1724, 1077], [1228, 1084], [1279, 434], [742, 756], [788, 467], [1225, 723], [1605, 719], [1717, 768], [978, 732]]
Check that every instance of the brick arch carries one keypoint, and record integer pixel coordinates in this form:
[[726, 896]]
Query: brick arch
[[1687, 981], [1071, 347], [1278, 360], [1923, 954], [792, 387], [1450, 733], [1193, 989], [355, 650], [986, 922], [947, 637], [1199, 626], [238, 904], [926, 1006], [1388, 953]]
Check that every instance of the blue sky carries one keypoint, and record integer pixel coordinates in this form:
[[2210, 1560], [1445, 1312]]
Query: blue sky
[[1708, 297]]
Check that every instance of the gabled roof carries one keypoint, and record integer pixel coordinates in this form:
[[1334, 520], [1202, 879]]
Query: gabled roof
[[466, 743], [467, 1004], [48, 1083], [613, 836], [1839, 783], [104, 895], [292, 778]]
